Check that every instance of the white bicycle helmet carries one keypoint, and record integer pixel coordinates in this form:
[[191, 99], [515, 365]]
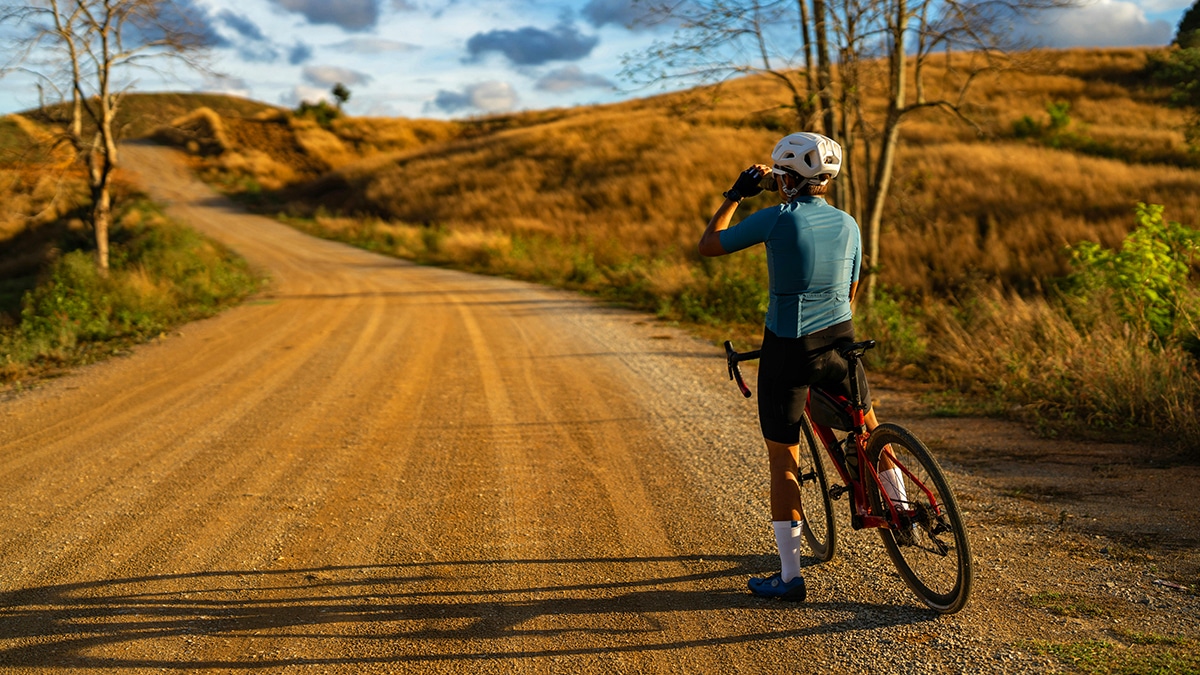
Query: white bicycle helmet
[[809, 155]]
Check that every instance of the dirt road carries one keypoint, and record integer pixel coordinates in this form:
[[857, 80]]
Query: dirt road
[[379, 467]]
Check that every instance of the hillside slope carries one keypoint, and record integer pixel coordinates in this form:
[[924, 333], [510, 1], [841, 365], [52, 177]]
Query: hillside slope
[[996, 203]]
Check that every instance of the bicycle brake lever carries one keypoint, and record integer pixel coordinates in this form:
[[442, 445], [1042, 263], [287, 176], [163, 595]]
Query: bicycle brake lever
[[735, 373]]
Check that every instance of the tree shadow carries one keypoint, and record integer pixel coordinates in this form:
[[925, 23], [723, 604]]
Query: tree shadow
[[412, 613]]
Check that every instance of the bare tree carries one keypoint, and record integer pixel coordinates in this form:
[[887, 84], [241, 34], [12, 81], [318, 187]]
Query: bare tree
[[85, 55], [708, 32], [718, 39]]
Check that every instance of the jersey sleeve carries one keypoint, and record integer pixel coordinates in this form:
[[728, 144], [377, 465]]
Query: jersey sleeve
[[754, 229]]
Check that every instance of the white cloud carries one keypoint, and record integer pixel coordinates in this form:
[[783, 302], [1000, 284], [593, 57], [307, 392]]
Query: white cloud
[[373, 45], [232, 86], [331, 75], [1104, 23], [571, 78], [306, 94], [492, 96]]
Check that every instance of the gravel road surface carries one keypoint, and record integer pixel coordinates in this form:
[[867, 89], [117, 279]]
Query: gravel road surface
[[381, 467]]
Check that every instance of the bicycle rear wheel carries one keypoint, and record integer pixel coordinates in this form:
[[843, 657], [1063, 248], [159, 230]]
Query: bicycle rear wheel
[[930, 547], [819, 530]]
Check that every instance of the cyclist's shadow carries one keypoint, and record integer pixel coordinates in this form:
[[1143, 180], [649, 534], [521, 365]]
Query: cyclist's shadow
[[315, 615]]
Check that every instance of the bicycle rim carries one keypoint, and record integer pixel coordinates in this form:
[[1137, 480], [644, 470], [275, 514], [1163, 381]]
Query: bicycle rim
[[819, 530], [930, 549]]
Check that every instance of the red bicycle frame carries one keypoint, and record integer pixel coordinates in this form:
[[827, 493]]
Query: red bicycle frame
[[856, 411], [863, 517]]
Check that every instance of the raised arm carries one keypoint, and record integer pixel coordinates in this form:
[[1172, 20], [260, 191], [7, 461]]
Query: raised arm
[[745, 186]]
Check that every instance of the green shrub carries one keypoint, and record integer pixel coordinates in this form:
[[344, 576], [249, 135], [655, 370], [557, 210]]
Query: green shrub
[[320, 112], [898, 326], [1148, 278], [160, 275]]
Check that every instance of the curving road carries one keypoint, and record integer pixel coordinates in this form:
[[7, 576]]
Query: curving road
[[381, 467]]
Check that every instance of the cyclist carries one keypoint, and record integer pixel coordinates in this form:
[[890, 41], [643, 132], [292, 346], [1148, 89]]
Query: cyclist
[[814, 252]]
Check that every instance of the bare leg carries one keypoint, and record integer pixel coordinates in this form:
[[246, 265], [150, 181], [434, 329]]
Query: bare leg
[[785, 489]]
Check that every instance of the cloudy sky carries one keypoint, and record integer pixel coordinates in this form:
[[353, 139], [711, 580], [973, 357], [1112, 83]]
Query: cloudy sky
[[458, 58]]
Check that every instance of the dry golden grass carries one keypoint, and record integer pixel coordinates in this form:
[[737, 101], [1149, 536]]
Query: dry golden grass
[[372, 136], [953, 221], [1025, 349], [200, 132], [321, 145], [38, 185], [639, 179]]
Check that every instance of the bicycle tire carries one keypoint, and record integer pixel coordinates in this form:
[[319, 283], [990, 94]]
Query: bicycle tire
[[820, 530], [930, 549]]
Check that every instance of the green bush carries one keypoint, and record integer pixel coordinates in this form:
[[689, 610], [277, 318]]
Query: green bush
[[899, 329], [320, 112], [160, 275], [1148, 278]]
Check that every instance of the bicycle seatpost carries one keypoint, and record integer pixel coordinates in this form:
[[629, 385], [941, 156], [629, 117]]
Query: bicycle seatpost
[[853, 353]]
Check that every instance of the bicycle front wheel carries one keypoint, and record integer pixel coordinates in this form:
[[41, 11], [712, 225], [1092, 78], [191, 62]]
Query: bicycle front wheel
[[929, 546], [819, 529]]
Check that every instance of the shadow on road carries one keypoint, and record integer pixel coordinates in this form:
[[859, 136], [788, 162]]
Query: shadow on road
[[405, 613]]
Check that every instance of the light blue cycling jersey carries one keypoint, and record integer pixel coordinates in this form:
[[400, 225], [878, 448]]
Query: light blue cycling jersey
[[813, 254]]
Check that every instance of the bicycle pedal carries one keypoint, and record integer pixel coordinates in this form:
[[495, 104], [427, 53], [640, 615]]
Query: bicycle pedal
[[836, 491]]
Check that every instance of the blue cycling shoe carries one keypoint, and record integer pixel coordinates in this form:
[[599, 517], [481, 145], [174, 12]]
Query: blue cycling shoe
[[775, 587]]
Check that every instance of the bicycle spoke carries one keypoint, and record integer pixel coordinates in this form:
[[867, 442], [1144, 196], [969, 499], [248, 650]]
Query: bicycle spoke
[[929, 545]]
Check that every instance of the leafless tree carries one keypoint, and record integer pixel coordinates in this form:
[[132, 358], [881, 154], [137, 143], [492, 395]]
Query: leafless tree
[[715, 40], [718, 39], [85, 55]]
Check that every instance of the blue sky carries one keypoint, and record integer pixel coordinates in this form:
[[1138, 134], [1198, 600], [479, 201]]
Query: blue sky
[[458, 58]]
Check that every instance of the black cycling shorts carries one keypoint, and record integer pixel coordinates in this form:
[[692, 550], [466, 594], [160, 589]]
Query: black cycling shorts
[[786, 369]]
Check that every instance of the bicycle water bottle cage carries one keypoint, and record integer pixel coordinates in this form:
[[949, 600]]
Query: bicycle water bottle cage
[[827, 411]]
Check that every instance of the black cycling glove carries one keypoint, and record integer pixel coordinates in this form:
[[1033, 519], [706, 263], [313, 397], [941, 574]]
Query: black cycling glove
[[746, 185]]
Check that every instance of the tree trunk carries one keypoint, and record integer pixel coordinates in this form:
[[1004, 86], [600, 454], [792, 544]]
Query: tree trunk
[[809, 77], [824, 69], [101, 217], [889, 145]]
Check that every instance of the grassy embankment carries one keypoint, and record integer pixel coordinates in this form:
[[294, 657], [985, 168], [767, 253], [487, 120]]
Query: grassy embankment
[[611, 199], [55, 310]]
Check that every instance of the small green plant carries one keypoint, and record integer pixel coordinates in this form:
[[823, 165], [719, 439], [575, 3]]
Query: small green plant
[[1060, 115], [1061, 133], [1065, 604], [1148, 277], [1101, 657], [1060, 119]]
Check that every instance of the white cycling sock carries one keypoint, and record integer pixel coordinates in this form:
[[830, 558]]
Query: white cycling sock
[[893, 485], [787, 538]]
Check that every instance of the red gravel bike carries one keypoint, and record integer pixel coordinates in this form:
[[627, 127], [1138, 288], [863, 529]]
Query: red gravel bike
[[915, 514]]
